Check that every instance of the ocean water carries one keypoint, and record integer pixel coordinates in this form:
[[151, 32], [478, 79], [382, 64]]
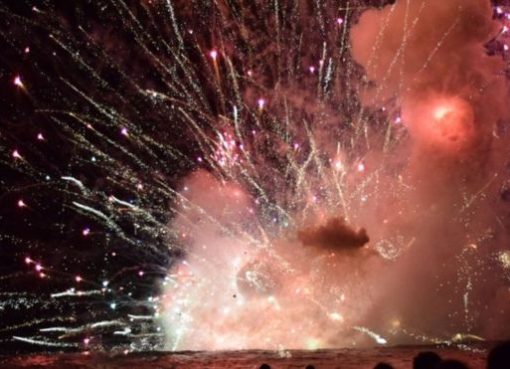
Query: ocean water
[[399, 357]]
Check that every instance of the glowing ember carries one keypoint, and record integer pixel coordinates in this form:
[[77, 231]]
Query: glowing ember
[[441, 112], [17, 82]]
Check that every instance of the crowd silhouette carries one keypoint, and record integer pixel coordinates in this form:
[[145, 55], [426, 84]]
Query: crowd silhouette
[[498, 358]]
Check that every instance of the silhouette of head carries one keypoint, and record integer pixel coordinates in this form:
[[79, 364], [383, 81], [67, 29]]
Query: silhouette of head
[[452, 364], [265, 366], [499, 356], [309, 367], [426, 360], [383, 366]]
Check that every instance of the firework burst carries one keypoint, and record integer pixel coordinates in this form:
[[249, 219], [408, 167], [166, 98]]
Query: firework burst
[[267, 174]]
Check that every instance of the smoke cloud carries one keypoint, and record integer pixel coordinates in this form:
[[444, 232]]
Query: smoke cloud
[[432, 208], [431, 57], [335, 235]]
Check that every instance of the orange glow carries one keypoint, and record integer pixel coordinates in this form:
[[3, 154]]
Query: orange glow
[[446, 122], [442, 112]]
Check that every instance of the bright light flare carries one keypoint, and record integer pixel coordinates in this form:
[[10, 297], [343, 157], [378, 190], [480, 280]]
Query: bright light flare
[[442, 111], [336, 317], [338, 165], [18, 82], [441, 121], [504, 259]]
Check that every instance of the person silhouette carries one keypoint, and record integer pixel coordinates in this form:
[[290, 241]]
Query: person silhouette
[[265, 366], [383, 366], [499, 356], [426, 360]]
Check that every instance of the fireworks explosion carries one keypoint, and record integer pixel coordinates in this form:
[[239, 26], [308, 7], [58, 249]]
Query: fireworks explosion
[[253, 174]]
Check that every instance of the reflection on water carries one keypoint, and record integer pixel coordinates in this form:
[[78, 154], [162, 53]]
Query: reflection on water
[[399, 357]]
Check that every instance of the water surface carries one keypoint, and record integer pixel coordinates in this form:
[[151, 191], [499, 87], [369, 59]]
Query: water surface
[[399, 357]]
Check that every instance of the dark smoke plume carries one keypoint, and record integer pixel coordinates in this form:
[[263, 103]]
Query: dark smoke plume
[[334, 235]]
